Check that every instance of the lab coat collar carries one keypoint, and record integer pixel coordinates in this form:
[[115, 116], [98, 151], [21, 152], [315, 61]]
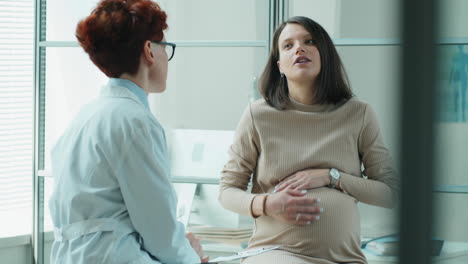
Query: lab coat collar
[[131, 90]]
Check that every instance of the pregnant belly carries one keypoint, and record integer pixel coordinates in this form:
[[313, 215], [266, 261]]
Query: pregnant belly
[[337, 230]]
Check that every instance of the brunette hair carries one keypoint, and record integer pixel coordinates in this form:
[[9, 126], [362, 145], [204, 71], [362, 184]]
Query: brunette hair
[[333, 85], [114, 33]]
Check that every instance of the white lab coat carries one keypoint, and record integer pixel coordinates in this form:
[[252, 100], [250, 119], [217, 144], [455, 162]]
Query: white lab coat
[[112, 200]]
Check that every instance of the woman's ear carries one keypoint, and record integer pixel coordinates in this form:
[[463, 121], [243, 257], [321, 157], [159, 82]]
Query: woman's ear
[[148, 53]]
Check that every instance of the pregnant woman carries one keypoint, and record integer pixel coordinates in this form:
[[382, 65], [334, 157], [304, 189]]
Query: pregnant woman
[[303, 147]]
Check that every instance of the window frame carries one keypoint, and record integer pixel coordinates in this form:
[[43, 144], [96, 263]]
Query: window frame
[[278, 10]]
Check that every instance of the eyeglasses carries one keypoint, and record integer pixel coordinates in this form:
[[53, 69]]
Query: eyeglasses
[[170, 48]]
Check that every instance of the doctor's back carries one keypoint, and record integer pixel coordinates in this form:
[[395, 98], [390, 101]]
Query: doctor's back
[[112, 200]]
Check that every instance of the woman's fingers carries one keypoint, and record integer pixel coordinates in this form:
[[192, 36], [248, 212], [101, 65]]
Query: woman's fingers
[[292, 206], [305, 215], [195, 243], [297, 192], [306, 220], [190, 236], [290, 181], [293, 182], [309, 209], [303, 186], [303, 210], [303, 180], [303, 218], [283, 185]]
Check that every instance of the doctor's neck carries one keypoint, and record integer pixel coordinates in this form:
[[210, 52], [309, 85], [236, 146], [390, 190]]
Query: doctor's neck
[[139, 79]]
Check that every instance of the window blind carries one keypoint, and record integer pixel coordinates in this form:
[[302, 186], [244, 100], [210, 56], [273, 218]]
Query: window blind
[[16, 115]]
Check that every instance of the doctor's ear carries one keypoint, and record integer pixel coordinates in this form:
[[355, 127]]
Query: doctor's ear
[[148, 53]]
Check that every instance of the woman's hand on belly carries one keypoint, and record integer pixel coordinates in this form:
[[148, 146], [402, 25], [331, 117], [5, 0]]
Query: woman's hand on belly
[[293, 207], [305, 180]]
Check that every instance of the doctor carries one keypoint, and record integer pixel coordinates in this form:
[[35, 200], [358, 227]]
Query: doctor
[[112, 200]]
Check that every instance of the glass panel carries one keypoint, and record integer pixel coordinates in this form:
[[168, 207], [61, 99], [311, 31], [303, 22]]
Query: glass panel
[[450, 225], [216, 20], [187, 19], [67, 89], [48, 188], [452, 136], [452, 86], [454, 19], [208, 88], [62, 17], [374, 76], [449, 212], [16, 221], [451, 146], [352, 18]]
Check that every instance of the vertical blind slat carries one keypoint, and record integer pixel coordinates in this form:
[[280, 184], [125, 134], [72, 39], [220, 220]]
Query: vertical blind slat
[[16, 97]]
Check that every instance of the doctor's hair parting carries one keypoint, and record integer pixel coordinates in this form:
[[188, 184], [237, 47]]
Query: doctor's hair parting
[[114, 33], [333, 84]]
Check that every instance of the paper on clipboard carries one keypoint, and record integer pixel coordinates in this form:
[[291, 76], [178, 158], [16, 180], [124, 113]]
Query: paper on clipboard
[[243, 254]]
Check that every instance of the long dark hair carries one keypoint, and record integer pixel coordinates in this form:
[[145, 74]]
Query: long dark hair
[[333, 84]]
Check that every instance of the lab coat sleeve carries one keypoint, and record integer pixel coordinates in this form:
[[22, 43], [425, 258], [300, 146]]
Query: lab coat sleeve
[[150, 199]]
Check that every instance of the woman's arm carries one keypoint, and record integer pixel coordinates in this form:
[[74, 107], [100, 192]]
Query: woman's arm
[[290, 206], [236, 174], [382, 186]]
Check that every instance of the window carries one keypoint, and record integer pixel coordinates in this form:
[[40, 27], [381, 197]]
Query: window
[[451, 146], [220, 56], [16, 115]]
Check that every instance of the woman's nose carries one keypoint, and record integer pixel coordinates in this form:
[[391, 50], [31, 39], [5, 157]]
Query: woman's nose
[[299, 49]]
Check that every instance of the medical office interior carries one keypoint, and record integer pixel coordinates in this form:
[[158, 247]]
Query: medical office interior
[[222, 47]]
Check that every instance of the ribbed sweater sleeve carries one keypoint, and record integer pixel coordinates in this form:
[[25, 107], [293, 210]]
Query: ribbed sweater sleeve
[[381, 188], [236, 174]]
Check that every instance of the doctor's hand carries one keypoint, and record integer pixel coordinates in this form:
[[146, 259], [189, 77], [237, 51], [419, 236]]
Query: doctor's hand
[[305, 180], [293, 207], [195, 243]]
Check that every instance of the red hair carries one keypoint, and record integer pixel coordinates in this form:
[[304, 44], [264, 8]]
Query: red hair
[[114, 33]]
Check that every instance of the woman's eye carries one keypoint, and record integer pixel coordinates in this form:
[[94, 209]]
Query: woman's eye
[[310, 41], [287, 46]]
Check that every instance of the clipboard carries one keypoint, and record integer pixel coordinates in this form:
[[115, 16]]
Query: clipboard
[[241, 254]]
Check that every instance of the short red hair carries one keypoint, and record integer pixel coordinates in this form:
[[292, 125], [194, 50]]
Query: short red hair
[[114, 33]]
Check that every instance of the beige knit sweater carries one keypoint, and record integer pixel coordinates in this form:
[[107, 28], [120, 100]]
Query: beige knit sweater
[[270, 145]]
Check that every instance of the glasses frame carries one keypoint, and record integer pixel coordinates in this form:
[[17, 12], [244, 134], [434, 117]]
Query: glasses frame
[[173, 45]]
